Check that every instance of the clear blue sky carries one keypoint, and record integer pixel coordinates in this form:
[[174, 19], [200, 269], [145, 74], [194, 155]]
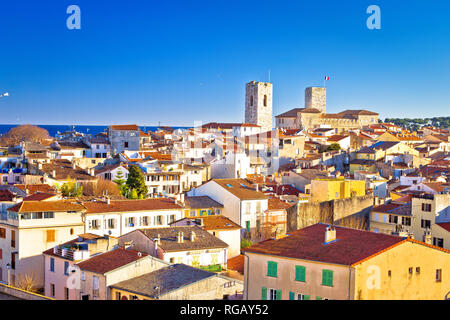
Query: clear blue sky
[[181, 61]]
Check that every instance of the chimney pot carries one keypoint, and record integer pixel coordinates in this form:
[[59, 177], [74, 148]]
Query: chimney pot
[[330, 234], [192, 236]]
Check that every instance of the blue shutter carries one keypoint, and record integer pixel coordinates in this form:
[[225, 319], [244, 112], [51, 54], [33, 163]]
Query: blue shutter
[[66, 268], [52, 264]]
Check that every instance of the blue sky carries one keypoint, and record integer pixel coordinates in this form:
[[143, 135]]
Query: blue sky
[[145, 61]]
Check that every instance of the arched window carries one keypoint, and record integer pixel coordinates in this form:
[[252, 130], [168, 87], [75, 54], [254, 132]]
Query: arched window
[[265, 100], [251, 100]]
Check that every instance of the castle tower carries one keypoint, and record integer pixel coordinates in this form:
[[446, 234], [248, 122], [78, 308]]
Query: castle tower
[[258, 104], [316, 97]]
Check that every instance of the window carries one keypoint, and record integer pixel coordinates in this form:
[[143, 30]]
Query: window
[[438, 275], [300, 272], [2, 233], [274, 294], [95, 286], [52, 289], [265, 100], [171, 218], [52, 264], [125, 144], [251, 101], [71, 231], [438, 242], [66, 293], [13, 238], [111, 223], [389, 273], [393, 219], [118, 295], [426, 207], [1, 254], [410, 270], [93, 224], [272, 269], [406, 221], [172, 260], [159, 220], [130, 222], [192, 213], [425, 223], [13, 261], [50, 235], [417, 270], [145, 221], [327, 278], [66, 268], [49, 215], [302, 296]]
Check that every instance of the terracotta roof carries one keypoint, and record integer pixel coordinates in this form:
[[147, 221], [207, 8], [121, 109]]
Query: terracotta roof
[[44, 206], [290, 114], [110, 260], [350, 247], [131, 205], [39, 196], [64, 169], [336, 138], [6, 195], [132, 127], [168, 236], [241, 189], [217, 223], [33, 188], [444, 225], [236, 263], [275, 203]]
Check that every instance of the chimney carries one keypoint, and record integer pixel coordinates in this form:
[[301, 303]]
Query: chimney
[[192, 236], [74, 166], [92, 172], [54, 173], [108, 201], [39, 166], [257, 187], [330, 234]]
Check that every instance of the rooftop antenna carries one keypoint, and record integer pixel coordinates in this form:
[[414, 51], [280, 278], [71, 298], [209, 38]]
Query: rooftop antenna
[[269, 75]]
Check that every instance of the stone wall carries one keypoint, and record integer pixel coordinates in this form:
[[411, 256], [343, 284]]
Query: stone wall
[[258, 104], [316, 97], [21, 294], [351, 212]]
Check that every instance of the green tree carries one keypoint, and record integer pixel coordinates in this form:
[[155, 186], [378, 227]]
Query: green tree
[[133, 194], [71, 189], [334, 146], [136, 181], [121, 182]]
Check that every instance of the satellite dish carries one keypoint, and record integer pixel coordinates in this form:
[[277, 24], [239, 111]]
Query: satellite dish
[[139, 254]]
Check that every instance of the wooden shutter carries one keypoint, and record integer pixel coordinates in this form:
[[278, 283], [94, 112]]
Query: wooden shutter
[[278, 295], [291, 295], [306, 296], [50, 235], [300, 272], [263, 293]]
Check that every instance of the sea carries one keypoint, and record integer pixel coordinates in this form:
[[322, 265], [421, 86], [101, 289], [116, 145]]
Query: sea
[[53, 130]]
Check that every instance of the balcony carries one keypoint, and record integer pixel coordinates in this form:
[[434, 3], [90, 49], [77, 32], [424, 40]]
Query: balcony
[[72, 252]]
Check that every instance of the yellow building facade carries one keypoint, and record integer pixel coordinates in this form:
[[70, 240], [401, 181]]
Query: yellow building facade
[[336, 188]]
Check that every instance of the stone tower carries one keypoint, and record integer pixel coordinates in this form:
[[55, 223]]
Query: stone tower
[[258, 104], [316, 97]]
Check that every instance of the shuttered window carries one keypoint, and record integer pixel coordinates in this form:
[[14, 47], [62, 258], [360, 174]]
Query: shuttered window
[[263, 293], [271, 269], [300, 272], [327, 278]]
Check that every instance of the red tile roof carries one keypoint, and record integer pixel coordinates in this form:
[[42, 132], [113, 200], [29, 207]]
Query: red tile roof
[[39, 196], [444, 225], [351, 246], [130, 205], [50, 206], [110, 260], [236, 263], [125, 127]]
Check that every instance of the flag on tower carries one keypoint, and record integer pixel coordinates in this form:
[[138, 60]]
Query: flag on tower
[[327, 78]]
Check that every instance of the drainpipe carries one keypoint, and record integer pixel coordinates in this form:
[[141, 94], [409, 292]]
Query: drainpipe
[[246, 276], [349, 280]]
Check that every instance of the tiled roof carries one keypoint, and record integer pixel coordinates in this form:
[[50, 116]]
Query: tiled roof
[[33, 188], [290, 114], [276, 204], [217, 223], [241, 189], [164, 280], [203, 239], [200, 202], [131, 205], [236, 263], [39, 196], [44, 206], [110, 260], [6, 195], [131, 127], [336, 138], [444, 225], [350, 247], [64, 169]]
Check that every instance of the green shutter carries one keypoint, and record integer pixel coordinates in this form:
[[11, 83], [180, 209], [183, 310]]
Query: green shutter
[[291, 295], [318, 298], [300, 272], [263, 293], [278, 294], [306, 296], [271, 269], [327, 278]]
